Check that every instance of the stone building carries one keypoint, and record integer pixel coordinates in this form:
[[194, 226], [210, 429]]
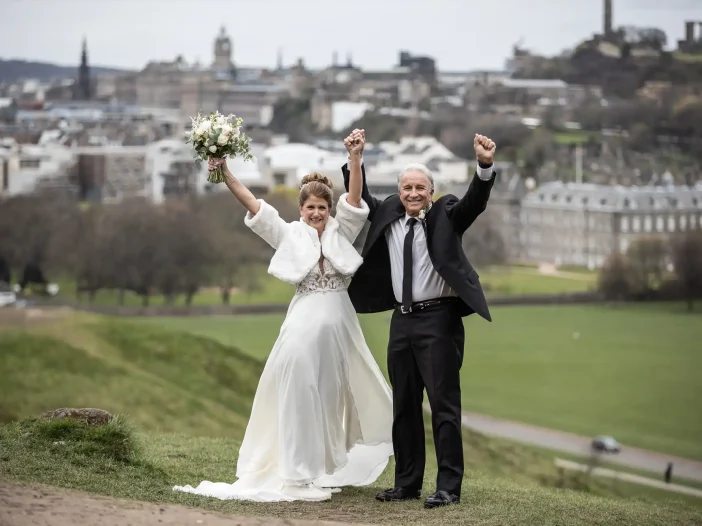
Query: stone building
[[582, 224], [191, 87]]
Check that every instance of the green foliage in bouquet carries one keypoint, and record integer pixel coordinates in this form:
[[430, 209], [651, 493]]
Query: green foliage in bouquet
[[218, 136]]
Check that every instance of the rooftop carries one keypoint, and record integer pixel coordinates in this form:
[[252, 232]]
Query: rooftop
[[617, 198]]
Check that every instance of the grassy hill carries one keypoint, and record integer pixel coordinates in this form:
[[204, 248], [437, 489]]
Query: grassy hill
[[628, 371], [165, 381], [188, 398]]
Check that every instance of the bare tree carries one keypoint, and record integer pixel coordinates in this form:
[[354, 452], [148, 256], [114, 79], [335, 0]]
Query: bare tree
[[188, 249], [687, 258], [483, 242], [135, 238], [614, 280], [28, 225], [648, 258], [80, 249], [233, 245]]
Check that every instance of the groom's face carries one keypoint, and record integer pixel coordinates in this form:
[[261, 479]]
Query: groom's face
[[415, 192]]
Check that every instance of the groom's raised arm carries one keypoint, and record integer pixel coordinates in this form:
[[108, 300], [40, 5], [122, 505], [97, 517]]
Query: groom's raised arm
[[475, 200], [471, 205], [371, 201]]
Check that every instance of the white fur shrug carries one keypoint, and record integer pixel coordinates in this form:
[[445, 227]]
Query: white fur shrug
[[298, 246]]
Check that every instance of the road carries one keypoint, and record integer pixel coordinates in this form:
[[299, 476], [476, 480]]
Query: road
[[580, 445]]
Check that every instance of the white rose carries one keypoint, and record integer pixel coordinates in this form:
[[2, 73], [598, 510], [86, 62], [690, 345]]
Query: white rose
[[223, 139], [213, 148], [236, 132], [227, 128], [203, 127]]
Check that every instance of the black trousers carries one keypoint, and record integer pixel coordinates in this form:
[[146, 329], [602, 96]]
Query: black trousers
[[425, 350]]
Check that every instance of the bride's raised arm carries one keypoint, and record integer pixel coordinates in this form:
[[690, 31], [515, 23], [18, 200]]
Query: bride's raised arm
[[242, 194], [352, 211], [262, 218], [354, 145]]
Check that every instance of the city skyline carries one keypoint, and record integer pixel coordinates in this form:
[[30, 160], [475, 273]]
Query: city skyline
[[166, 29]]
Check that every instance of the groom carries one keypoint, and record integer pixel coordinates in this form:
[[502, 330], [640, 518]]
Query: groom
[[414, 264]]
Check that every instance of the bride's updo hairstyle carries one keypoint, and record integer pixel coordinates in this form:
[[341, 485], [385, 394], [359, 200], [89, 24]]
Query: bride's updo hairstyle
[[317, 185]]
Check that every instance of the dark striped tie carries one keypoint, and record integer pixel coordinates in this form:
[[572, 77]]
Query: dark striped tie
[[407, 265]]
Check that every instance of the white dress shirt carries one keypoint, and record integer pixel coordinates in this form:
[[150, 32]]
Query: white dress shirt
[[426, 282]]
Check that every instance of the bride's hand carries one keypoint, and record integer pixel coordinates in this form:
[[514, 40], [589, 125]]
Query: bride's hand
[[213, 163]]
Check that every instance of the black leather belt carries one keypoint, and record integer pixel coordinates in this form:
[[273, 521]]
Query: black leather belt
[[421, 305]]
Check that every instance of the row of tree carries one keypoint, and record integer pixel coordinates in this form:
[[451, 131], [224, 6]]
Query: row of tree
[[174, 249], [656, 268]]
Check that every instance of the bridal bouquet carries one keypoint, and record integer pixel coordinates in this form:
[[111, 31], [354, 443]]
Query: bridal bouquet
[[216, 135]]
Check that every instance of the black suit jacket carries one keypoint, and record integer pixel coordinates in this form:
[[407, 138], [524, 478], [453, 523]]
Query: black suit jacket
[[371, 287]]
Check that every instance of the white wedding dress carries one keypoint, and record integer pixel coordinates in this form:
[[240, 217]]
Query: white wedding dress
[[322, 414]]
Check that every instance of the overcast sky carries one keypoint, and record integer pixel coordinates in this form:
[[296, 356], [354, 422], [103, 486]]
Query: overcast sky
[[459, 34]]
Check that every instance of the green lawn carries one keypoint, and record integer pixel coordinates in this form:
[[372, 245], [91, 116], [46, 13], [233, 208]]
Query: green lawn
[[574, 137], [510, 281], [497, 281], [628, 371], [270, 291], [188, 398], [688, 57]]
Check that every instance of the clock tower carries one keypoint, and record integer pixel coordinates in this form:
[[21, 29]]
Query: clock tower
[[223, 65]]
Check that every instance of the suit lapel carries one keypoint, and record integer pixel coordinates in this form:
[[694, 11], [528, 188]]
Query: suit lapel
[[388, 212], [430, 224]]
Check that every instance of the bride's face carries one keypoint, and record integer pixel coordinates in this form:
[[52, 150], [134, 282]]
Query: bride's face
[[315, 212]]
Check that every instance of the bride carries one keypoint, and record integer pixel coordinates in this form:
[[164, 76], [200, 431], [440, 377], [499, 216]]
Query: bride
[[322, 413]]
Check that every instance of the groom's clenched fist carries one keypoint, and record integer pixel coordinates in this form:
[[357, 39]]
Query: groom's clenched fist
[[355, 142], [484, 149]]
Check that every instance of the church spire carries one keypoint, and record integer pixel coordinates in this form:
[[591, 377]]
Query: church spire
[[83, 85]]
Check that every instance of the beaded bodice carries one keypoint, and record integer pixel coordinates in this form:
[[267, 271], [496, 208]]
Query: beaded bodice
[[326, 279]]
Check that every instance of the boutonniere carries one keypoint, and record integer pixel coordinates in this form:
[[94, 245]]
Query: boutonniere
[[423, 212]]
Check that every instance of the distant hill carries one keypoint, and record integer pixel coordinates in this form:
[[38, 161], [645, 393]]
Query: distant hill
[[13, 70]]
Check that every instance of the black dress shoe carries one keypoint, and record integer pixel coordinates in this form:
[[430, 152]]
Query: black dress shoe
[[441, 498], [398, 494]]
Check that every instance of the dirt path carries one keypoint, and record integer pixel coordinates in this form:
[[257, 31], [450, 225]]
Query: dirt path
[[580, 445], [22, 505]]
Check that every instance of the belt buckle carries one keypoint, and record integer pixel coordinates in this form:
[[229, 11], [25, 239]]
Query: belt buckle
[[403, 311]]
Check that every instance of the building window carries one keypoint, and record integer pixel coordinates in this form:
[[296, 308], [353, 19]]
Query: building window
[[683, 223], [29, 163], [660, 224], [671, 223], [636, 224], [624, 224], [5, 175], [647, 224], [279, 178], [623, 244]]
